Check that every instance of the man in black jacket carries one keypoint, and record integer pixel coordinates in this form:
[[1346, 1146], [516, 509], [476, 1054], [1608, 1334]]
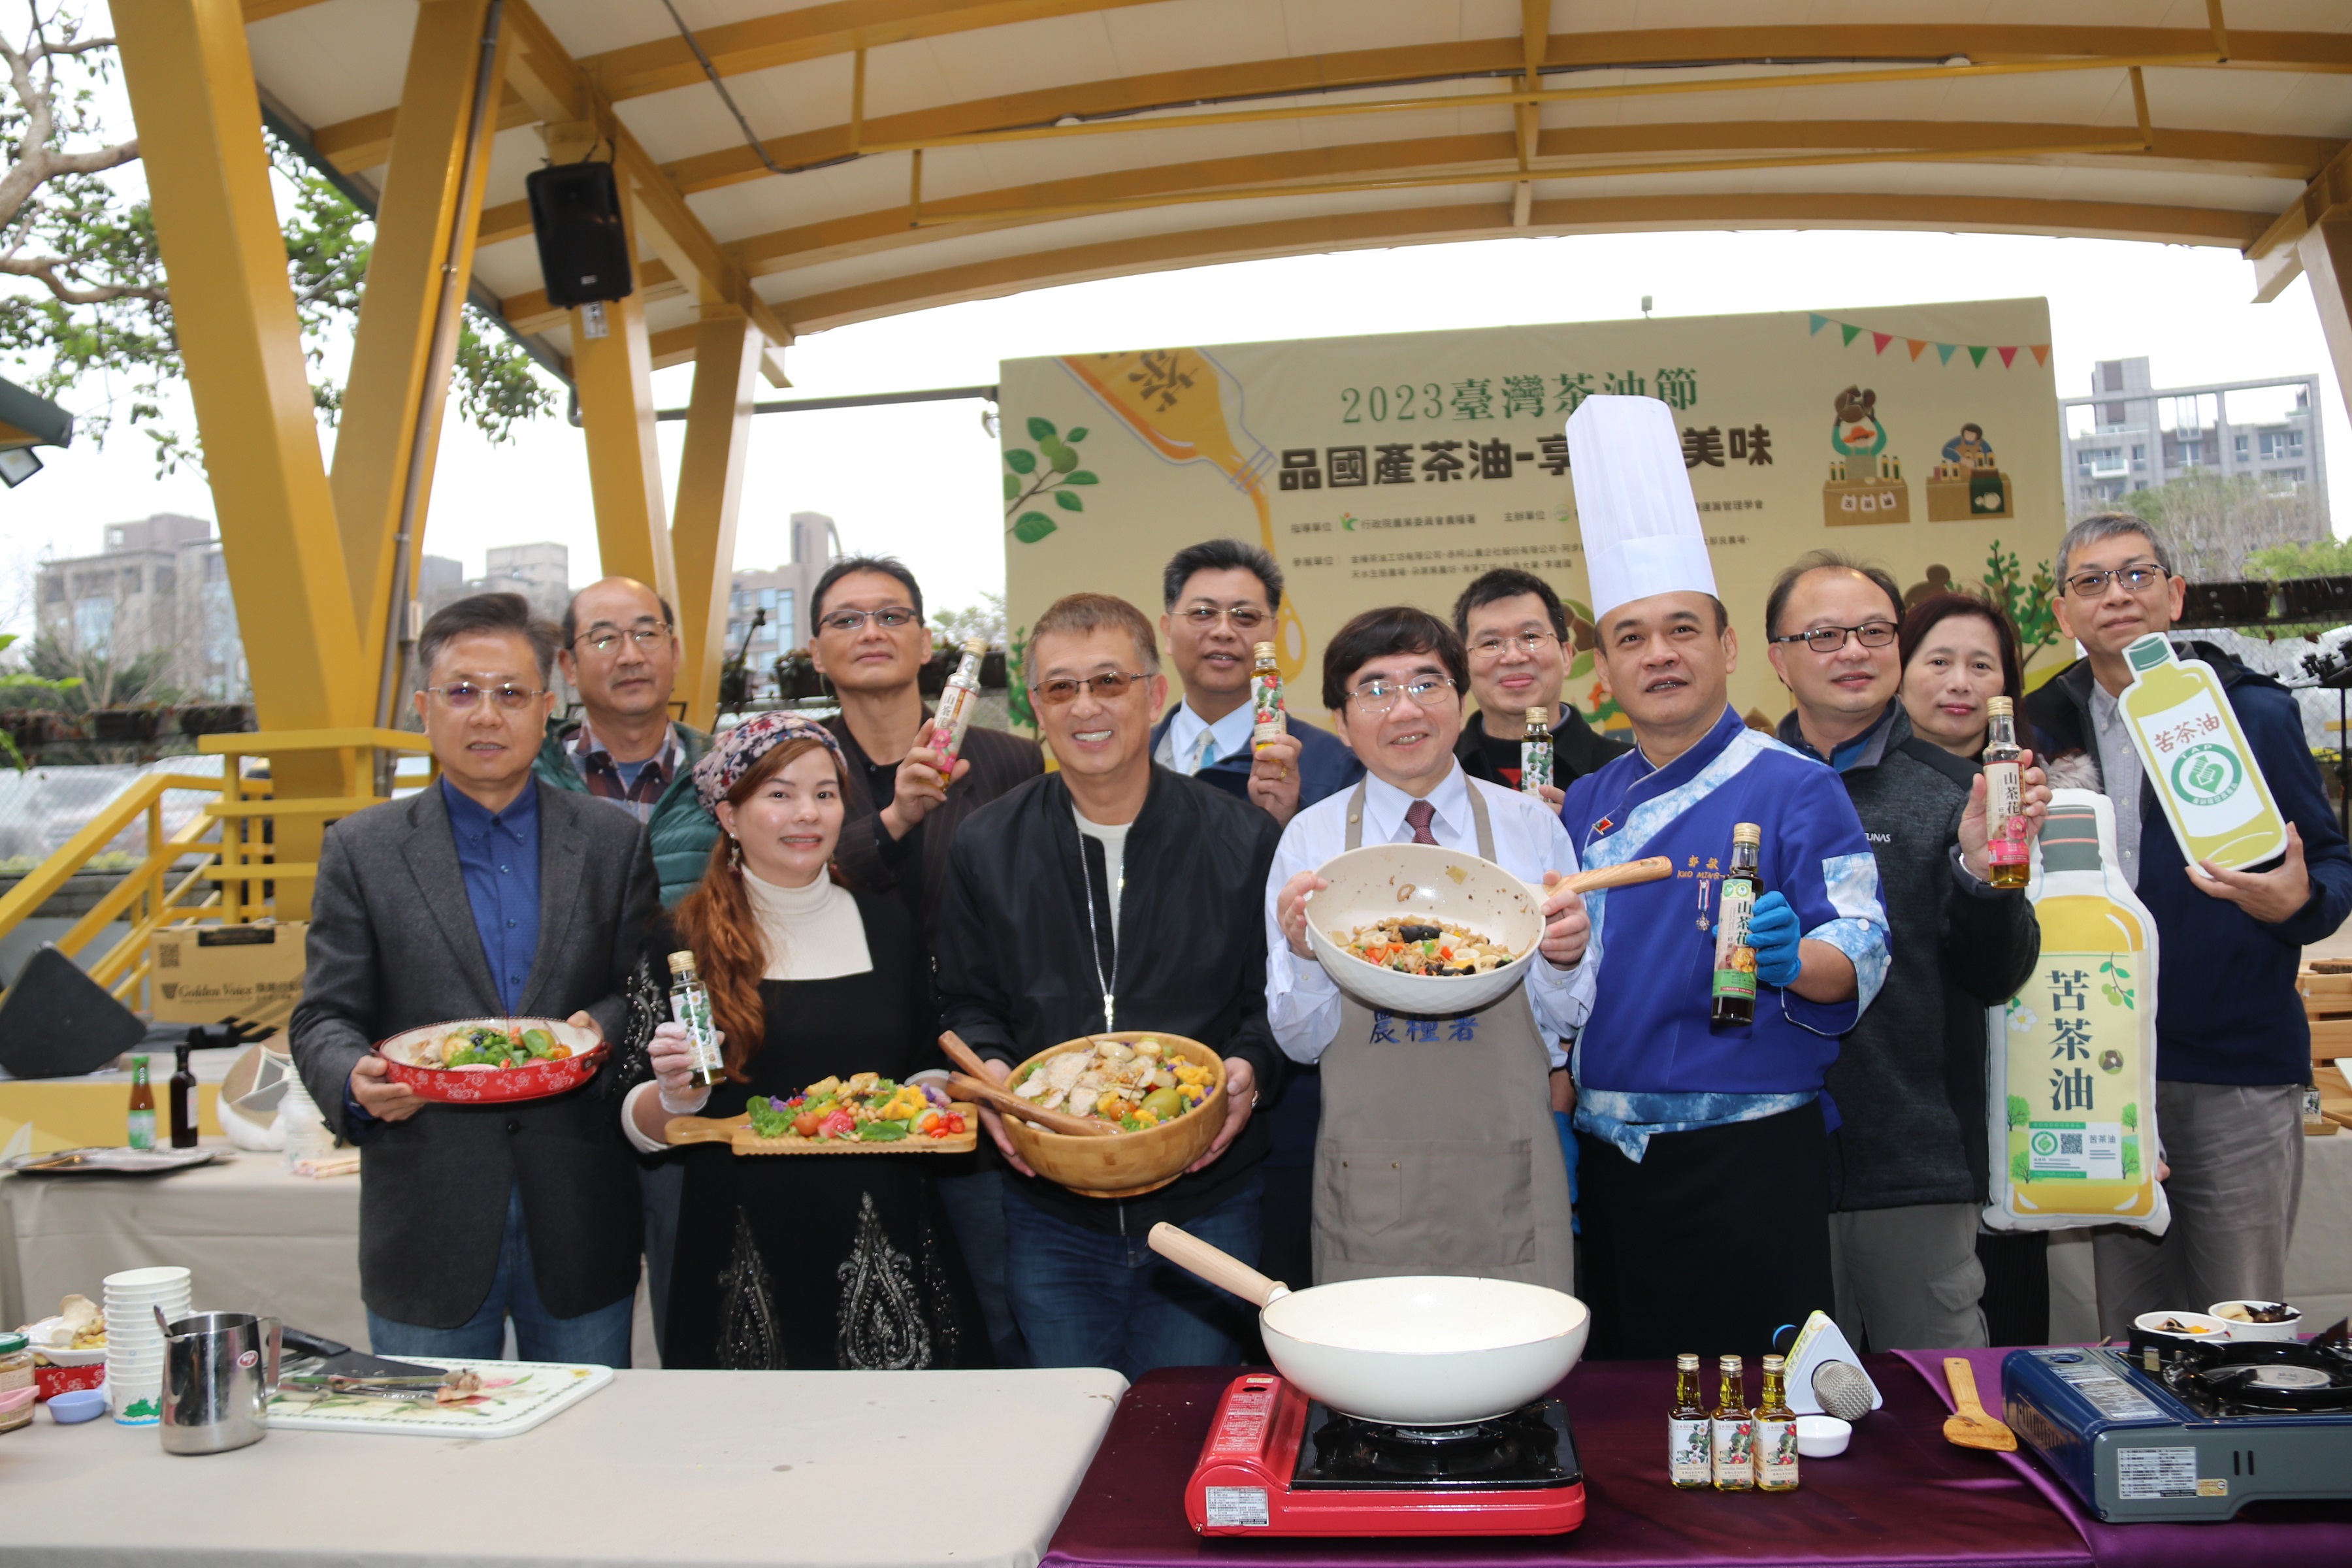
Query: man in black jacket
[[1038, 942], [1516, 630], [1907, 1165]]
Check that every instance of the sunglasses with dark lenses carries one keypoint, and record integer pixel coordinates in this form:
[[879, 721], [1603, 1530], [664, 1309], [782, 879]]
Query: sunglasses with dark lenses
[[1107, 686], [466, 694]]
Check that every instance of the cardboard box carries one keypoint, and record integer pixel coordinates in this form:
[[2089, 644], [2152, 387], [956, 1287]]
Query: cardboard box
[[207, 975]]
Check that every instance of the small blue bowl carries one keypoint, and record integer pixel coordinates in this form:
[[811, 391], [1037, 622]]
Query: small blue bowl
[[77, 1404]]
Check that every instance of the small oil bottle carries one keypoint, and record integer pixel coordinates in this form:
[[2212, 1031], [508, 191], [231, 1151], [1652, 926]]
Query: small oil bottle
[[689, 1003], [953, 716], [2009, 837], [1775, 1434], [142, 1131], [1535, 752], [1687, 1463], [1732, 1432], [184, 1102], [1271, 720], [1734, 986]]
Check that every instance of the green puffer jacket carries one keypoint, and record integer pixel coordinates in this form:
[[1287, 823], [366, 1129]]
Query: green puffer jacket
[[682, 831]]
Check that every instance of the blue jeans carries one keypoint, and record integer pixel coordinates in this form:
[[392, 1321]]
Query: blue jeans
[[1089, 1298], [600, 1338], [975, 1205]]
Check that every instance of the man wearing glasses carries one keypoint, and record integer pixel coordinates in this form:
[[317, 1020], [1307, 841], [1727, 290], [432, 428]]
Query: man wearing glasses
[[1515, 629], [1112, 895], [1438, 1153], [1908, 1165], [1220, 601], [620, 653], [492, 895], [2233, 1049]]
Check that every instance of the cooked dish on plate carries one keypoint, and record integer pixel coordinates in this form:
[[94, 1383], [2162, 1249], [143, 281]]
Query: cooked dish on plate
[[1426, 947], [488, 1048], [867, 1107]]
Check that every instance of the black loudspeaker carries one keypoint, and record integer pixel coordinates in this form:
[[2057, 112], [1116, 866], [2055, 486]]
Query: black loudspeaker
[[584, 246], [56, 1022]]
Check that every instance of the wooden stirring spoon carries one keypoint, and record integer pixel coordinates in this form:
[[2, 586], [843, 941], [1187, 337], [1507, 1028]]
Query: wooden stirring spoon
[[1969, 1426], [975, 1084]]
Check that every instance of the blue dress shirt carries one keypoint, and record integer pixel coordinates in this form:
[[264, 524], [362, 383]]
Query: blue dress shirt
[[498, 855]]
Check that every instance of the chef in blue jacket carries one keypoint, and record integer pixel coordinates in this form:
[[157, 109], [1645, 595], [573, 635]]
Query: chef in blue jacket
[[1704, 1190]]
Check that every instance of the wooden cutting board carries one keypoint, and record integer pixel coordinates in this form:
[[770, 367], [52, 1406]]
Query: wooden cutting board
[[737, 1130]]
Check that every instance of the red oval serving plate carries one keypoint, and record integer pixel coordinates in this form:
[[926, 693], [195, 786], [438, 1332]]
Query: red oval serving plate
[[494, 1086]]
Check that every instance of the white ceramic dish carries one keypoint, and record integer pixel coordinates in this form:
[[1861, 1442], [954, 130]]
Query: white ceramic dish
[[1822, 1436], [2201, 1328], [2289, 1329], [1381, 881]]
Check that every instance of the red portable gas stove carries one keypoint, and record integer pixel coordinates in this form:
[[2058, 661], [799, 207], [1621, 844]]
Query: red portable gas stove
[[1278, 1463]]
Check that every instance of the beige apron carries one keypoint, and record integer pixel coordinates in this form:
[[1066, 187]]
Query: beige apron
[[1438, 1153]]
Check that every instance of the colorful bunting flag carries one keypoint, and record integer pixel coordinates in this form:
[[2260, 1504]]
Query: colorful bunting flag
[[1849, 330], [1976, 355], [1818, 323], [2007, 355], [1882, 340], [2042, 354], [1917, 344], [1944, 352]]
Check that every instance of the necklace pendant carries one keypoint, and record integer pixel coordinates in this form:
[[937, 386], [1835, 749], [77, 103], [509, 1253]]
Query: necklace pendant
[[1110, 1014]]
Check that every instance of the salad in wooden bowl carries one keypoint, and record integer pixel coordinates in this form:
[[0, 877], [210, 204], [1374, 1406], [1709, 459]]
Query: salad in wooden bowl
[[1164, 1094]]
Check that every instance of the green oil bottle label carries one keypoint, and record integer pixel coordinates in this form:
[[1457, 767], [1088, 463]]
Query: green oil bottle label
[[142, 1130], [1735, 961]]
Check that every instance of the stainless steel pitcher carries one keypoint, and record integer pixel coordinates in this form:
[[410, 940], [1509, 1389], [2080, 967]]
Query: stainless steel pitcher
[[220, 1372]]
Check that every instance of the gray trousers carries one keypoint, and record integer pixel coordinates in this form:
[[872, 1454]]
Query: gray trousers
[[2236, 1154], [1908, 1278]]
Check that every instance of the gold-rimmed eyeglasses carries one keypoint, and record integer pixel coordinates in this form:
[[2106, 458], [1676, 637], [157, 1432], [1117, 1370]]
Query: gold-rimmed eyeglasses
[[1490, 648], [604, 639], [465, 694]]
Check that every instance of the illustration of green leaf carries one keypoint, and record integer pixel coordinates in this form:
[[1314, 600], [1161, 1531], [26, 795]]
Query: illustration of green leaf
[[1021, 460], [1061, 456], [1067, 501], [1082, 477], [1583, 667], [1031, 527], [1077, 434], [1012, 487], [1041, 429]]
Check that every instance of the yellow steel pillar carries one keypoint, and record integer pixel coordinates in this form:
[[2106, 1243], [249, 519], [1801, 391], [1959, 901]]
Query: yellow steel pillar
[[727, 348], [392, 403], [2326, 252], [191, 83]]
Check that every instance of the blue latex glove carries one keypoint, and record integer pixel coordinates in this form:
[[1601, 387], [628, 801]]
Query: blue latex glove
[[1773, 932]]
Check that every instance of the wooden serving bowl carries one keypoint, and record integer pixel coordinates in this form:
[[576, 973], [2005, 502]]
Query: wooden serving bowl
[[1131, 1163]]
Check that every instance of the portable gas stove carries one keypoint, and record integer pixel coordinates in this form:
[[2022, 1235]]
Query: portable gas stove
[[2195, 1432], [1278, 1463]]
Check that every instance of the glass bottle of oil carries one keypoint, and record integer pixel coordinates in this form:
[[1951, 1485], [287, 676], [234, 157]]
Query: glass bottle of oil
[[1535, 752], [1734, 986], [1775, 1434], [1732, 1432], [2009, 837], [1688, 1464], [142, 1131], [957, 700], [1269, 720], [689, 1003]]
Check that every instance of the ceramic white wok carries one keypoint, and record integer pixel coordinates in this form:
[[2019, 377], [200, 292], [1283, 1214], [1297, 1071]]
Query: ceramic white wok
[[1420, 1350]]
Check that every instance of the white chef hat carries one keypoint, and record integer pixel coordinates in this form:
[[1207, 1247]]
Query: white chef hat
[[1633, 506]]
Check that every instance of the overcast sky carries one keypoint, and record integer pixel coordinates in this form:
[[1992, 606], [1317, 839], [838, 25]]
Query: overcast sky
[[922, 481]]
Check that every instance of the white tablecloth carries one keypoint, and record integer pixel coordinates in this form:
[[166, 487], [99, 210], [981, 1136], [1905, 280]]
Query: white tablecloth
[[861, 1470]]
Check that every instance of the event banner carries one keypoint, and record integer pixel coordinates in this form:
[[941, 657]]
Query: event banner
[[1397, 469]]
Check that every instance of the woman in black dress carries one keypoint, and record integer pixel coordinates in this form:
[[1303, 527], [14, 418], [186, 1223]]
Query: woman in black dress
[[817, 1261]]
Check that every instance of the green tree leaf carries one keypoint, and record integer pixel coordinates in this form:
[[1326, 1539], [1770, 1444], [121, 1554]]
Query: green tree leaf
[[1012, 487], [1041, 429], [1021, 460], [1077, 434], [1031, 527], [1061, 456], [1067, 501], [1082, 477]]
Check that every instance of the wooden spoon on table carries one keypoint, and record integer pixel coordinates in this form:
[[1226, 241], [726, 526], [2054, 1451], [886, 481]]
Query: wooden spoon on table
[[1969, 1426]]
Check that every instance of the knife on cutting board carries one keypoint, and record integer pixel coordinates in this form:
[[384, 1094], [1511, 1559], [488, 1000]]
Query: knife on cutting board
[[315, 1355]]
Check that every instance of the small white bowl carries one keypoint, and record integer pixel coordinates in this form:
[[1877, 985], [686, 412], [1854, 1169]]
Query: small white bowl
[[2196, 1328], [2286, 1329], [1822, 1436]]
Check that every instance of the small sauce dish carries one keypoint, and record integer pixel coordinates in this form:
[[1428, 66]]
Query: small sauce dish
[[77, 1404], [1822, 1436]]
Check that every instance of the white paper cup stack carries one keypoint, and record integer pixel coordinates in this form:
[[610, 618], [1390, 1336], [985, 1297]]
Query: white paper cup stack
[[134, 1341]]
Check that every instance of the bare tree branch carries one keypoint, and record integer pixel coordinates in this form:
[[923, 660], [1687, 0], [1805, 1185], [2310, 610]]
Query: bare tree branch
[[45, 270]]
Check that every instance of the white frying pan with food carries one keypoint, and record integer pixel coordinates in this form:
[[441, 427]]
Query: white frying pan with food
[[1419, 1350]]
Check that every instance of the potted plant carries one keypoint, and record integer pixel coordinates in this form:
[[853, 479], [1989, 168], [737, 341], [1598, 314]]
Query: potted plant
[[797, 679], [125, 726], [215, 718]]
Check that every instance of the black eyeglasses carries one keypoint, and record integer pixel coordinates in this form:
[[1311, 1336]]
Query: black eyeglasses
[[1244, 617], [889, 619], [1828, 640], [463, 694], [647, 639], [2135, 579], [1379, 696], [1109, 685]]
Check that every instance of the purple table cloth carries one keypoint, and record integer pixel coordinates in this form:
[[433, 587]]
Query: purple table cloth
[[2264, 1535], [1900, 1495]]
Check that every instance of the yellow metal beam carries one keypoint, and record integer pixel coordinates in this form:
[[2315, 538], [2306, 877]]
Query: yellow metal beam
[[709, 492], [394, 398], [365, 142], [1535, 39]]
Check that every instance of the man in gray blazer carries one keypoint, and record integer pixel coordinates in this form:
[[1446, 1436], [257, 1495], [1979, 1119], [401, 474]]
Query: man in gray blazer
[[485, 895]]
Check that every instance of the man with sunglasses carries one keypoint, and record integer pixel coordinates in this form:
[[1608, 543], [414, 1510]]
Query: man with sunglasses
[[1112, 895], [1409, 1177], [2233, 1049], [1907, 1165], [1220, 596], [620, 652], [1516, 633], [490, 894]]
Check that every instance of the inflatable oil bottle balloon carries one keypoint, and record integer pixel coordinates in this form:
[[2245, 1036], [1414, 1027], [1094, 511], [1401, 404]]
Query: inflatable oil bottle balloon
[[2071, 1063], [2189, 741]]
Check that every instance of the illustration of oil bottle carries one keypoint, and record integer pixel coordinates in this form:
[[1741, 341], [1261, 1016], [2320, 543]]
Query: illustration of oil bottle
[[2190, 746]]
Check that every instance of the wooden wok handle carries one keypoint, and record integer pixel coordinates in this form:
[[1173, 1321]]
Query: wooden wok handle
[[963, 1086], [1219, 1267], [704, 1129], [1631, 871]]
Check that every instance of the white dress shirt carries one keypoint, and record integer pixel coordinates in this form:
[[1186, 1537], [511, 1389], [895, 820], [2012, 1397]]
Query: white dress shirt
[[1182, 743], [1301, 1001]]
